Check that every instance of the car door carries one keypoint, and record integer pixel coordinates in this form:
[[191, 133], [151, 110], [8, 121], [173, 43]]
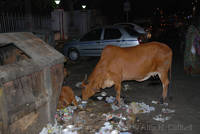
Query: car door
[[90, 42], [130, 37], [112, 36]]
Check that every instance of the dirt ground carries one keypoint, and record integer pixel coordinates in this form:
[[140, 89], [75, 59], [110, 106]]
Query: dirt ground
[[185, 93]]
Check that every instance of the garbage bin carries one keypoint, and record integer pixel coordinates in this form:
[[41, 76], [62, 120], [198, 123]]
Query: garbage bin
[[31, 77]]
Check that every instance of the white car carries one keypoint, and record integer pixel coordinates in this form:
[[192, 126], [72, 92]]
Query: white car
[[93, 42], [136, 27]]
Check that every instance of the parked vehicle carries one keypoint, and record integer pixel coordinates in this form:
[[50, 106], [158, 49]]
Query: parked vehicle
[[137, 28], [93, 42]]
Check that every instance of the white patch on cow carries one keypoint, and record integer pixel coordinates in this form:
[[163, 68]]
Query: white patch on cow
[[108, 83], [149, 75]]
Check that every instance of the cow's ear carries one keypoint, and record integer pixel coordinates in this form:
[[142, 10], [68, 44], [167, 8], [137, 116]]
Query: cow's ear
[[86, 82], [83, 86], [85, 77]]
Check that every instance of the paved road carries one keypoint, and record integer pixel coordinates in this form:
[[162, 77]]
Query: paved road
[[185, 92]]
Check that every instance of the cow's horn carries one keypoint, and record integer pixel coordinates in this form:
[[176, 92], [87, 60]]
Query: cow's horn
[[85, 77]]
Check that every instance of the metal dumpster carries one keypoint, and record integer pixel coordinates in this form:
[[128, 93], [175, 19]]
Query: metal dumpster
[[31, 76]]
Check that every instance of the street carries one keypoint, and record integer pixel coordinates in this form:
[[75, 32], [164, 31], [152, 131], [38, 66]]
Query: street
[[185, 93]]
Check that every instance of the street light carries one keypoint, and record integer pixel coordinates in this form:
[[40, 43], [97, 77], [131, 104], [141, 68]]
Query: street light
[[83, 6], [57, 2]]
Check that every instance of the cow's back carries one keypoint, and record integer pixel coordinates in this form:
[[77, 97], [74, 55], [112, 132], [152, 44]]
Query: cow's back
[[135, 63]]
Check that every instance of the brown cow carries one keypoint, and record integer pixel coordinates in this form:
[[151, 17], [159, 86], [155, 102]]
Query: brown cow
[[131, 63], [66, 97]]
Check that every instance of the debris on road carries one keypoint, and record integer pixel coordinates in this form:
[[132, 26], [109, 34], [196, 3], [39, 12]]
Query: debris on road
[[157, 102], [161, 118], [134, 108], [70, 129], [125, 133], [78, 99], [66, 113], [144, 108], [167, 110], [89, 117], [154, 102], [115, 107], [58, 129], [126, 87], [78, 84], [110, 99], [107, 129], [99, 97], [111, 116], [103, 94], [83, 104], [165, 104]]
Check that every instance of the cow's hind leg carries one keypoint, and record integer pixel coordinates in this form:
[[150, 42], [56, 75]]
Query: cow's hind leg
[[118, 89], [165, 82]]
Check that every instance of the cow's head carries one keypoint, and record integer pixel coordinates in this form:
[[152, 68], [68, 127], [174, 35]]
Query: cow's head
[[87, 90]]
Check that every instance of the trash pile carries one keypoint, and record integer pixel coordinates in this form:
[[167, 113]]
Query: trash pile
[[58, 129], [102, 116], [164, 115], [78, 84], [107, 129], [126, 87], [136, 107]]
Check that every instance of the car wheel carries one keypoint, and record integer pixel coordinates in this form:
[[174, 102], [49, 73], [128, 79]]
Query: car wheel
[[73, 55]]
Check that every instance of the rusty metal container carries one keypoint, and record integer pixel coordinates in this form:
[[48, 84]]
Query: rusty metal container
[[31, 77]]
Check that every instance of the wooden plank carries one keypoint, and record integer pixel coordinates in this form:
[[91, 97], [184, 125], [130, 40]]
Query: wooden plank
[[1, 127], [23, 123], [4, 111]]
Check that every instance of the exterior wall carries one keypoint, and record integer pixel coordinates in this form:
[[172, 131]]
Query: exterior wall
[[72, 24]]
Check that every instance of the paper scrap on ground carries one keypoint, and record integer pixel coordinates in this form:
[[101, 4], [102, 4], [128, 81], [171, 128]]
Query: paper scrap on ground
[[57, 129], [167, 110], [78, 84], [144, 108], [161, 118]]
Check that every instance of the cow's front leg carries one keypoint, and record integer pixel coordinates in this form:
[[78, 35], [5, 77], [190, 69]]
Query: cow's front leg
[[117, 81], [118, 89]]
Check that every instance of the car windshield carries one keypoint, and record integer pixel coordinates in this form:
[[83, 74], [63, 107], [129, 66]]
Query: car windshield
[[130, 31]]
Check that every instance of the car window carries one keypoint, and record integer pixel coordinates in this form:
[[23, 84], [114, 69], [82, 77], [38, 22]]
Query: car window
[[128, 25], [130, 31], [92, 35], [111, 33]]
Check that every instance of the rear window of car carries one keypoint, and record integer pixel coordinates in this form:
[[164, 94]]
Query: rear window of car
[[92, 35], [111, 33], [130, 31]]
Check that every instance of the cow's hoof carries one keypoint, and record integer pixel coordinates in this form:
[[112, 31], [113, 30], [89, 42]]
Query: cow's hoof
[[117, 103], [161, 100]]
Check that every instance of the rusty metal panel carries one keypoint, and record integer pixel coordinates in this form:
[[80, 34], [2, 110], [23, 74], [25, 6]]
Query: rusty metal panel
[[29, 89], [23, 91]]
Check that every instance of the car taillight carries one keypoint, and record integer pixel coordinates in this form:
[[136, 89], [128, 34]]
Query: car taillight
[[140, 39]]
